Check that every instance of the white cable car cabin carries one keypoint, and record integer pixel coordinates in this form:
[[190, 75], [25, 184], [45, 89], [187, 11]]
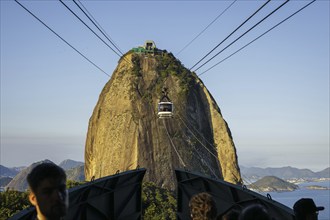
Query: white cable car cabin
[[165, 109], [165, 106]]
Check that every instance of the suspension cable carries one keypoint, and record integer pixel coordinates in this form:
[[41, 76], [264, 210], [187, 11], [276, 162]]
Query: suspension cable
[[99, 27], [203, 161], [257, 188], [172, 144], [192, 126], [111, 41], [62, 38], [98, 24], [89, 28], [247, 180], [243, 34], [258, 37], [199, 140], [206, 28], [231, 33]]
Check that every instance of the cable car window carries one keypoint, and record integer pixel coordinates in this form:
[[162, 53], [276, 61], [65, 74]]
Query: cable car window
[[165, 107]]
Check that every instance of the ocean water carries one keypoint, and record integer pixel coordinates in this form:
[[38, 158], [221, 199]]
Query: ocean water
[[320, 197]]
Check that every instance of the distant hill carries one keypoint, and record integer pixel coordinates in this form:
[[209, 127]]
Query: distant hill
[[75, 171], [7, 172], [283, 173], [76, 174], [4, 180], [324, 173], [18, 169], [69, 164], [272, 183], [19, 182]]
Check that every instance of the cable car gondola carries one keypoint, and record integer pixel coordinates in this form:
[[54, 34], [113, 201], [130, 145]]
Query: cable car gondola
[[165, 106]]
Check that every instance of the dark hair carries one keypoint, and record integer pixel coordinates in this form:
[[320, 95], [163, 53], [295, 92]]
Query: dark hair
[[44, 171], [254, 212], [202, 206], [304, 207]]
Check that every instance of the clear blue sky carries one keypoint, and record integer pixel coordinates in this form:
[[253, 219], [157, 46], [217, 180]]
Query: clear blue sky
[[274, 94]]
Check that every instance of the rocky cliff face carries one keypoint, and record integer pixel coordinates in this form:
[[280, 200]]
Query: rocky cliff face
[[124, 131]]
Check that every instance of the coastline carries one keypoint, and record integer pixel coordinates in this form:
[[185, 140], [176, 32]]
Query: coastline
[[320, 197]]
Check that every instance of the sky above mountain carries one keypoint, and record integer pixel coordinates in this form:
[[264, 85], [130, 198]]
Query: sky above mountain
[[274, 93]]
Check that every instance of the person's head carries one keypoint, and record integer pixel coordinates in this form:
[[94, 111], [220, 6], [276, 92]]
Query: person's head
[[48, 192], [254, 212], [305, 209], [202, 207]]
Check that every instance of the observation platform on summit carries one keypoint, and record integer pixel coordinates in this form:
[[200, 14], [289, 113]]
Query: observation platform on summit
[[149, 47]]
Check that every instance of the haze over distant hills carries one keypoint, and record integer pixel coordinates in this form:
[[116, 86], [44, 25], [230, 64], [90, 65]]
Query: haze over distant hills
[[4, 180], [7, 172], [70, 164], [19, 182], [74, 171], [286, 172], [283, 173]]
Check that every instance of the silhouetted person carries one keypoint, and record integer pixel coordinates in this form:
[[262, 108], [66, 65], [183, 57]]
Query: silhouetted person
[[48, 192], [305, 209], [202, 207], [254, 212]]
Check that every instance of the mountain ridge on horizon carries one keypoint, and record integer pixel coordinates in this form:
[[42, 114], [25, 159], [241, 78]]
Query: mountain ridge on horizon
[[20, 167], [73, 169], [285, 172], [75, 163], [284, 166]]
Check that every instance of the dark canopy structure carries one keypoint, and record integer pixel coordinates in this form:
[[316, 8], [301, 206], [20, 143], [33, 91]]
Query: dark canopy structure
[[226, 196], [113, 197]]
